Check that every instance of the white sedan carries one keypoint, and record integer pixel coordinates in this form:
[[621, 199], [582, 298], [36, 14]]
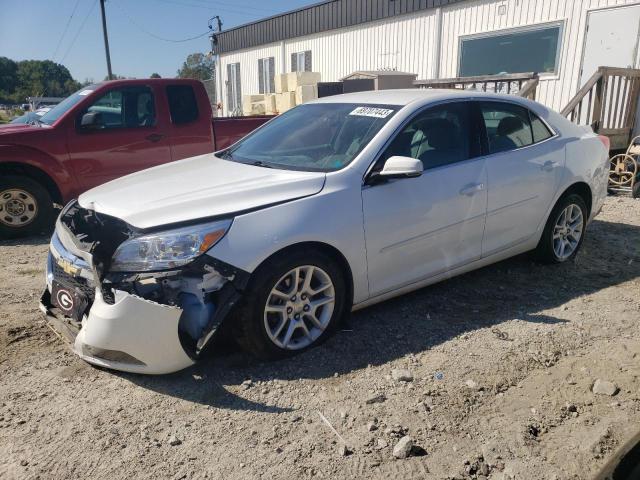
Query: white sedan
[[335, 205]]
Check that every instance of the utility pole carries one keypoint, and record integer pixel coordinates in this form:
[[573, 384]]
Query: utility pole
[[106, 41], [217, 85]]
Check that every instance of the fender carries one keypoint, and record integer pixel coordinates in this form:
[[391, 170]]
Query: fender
[[16, 156]]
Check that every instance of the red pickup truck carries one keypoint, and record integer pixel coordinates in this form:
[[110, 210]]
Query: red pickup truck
[[99, 133]]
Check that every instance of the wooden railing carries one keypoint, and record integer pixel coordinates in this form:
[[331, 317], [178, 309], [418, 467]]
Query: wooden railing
[[523, 84], [608, 102]]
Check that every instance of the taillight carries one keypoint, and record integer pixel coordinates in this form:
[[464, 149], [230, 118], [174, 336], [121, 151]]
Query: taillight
[[605, 141]]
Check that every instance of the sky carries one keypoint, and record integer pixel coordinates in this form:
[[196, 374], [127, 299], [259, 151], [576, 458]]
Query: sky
[[70, 31]]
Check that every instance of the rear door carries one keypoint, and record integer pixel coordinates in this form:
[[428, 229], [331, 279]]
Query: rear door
[[189, 121], [130, 136], [419, 227], [524, 168]]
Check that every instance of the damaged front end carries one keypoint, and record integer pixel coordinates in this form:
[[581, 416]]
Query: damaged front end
[[137, 300]]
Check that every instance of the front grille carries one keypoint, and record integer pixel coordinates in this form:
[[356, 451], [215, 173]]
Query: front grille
[[68, 280]]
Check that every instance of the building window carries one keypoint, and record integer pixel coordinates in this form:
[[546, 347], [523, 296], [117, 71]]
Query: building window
[[529, 50], [301, 61], [266, 71], [234, 92]]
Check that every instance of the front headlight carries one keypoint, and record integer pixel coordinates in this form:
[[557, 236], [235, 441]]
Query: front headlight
[[169, 249]]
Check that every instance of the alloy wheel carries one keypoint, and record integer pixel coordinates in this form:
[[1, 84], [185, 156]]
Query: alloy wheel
[[299, 307], [567, 231]]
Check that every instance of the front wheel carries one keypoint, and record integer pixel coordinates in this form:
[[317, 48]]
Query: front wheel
[[564, 232], [26, 207], [292, 304]]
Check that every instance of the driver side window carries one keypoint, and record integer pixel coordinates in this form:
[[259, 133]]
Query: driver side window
[[438, 136], [123, 108]]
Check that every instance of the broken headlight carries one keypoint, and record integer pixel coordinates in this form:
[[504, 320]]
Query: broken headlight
[[169, 249]]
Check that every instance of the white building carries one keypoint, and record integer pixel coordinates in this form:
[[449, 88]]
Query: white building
[[563, 40]]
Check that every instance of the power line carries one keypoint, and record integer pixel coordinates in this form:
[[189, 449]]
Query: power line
[[79, 30], [201, 6], [66, 27], [215, 4], [151, 34]]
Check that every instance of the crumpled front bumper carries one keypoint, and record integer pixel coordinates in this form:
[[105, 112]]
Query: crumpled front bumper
[[131, 334]]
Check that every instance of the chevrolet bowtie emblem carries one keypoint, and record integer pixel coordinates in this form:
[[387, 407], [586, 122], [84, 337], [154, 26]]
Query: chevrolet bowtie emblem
[[68, 267]]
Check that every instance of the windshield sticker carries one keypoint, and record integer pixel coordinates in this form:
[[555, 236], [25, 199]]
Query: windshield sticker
[[85, 92], [372, 112]]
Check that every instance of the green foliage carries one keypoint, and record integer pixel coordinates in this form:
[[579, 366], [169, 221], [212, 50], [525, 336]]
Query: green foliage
[[27, 78], [155, 75], [198, 66]]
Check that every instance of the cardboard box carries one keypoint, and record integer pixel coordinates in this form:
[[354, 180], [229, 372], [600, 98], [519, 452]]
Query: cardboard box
[[254, 108], [285, 101], [280, 82], [270, 103], [249, 99], [305, 93], [296, 79]]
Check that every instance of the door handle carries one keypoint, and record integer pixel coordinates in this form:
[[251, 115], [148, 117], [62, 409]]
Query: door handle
[[154, 137], [549, 165], [470, 190]]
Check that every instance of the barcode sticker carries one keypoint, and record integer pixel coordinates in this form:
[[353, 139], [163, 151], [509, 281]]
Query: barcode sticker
[[372, 112]]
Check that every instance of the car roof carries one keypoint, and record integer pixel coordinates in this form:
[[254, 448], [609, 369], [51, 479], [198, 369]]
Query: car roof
[[402, 97]]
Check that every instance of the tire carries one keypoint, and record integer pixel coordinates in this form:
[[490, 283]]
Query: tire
[[253, 322], [636, 189], [546, 251], [26, 208]]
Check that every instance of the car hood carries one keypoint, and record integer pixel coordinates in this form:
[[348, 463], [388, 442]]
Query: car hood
[[199, 187]]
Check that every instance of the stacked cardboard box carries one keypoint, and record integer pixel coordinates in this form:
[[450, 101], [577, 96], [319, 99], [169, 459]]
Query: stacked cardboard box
[[291, 89], [253, 105]]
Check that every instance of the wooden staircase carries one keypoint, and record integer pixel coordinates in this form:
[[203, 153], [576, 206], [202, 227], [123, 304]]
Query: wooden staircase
[[608, 102]]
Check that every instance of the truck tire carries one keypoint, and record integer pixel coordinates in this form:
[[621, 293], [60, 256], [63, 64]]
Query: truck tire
[[26, 208]]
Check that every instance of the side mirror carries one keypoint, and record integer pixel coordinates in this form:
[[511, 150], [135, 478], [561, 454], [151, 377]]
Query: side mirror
[[400, 167], [91, 121]]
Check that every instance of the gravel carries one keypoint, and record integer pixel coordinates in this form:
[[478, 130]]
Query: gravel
[[532, 360]]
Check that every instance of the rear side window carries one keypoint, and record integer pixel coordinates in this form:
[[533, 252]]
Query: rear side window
[[540, 130], [182, 104], [508, 126]]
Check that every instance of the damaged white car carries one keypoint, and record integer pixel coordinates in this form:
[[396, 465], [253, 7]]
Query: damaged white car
[[330, 207]]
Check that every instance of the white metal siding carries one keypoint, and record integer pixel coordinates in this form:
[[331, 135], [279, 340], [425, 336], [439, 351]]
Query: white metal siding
[[409, 43]]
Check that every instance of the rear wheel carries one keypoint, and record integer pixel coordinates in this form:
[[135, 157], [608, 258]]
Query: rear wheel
[[26, 207], [292, 304], [564, 232]]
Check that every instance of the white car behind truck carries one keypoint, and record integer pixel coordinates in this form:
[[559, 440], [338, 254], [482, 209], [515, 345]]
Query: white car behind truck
[[333, 206]]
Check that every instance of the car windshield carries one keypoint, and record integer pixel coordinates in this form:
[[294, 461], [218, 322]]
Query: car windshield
[[319, 137], [64, 106]]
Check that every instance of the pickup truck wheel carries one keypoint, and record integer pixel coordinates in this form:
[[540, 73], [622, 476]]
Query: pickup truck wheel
[[26, 207], [564, 232], [292, 304]]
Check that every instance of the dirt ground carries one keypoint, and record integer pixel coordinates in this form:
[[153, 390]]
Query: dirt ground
[[502, 362]]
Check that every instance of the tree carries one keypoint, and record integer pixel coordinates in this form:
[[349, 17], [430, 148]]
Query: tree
[[8, 78], [27, 78], [198, 66], [155, 75]]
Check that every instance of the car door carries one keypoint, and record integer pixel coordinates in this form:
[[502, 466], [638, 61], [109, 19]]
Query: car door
[[416, 228], [127, 137], [524, 167]]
